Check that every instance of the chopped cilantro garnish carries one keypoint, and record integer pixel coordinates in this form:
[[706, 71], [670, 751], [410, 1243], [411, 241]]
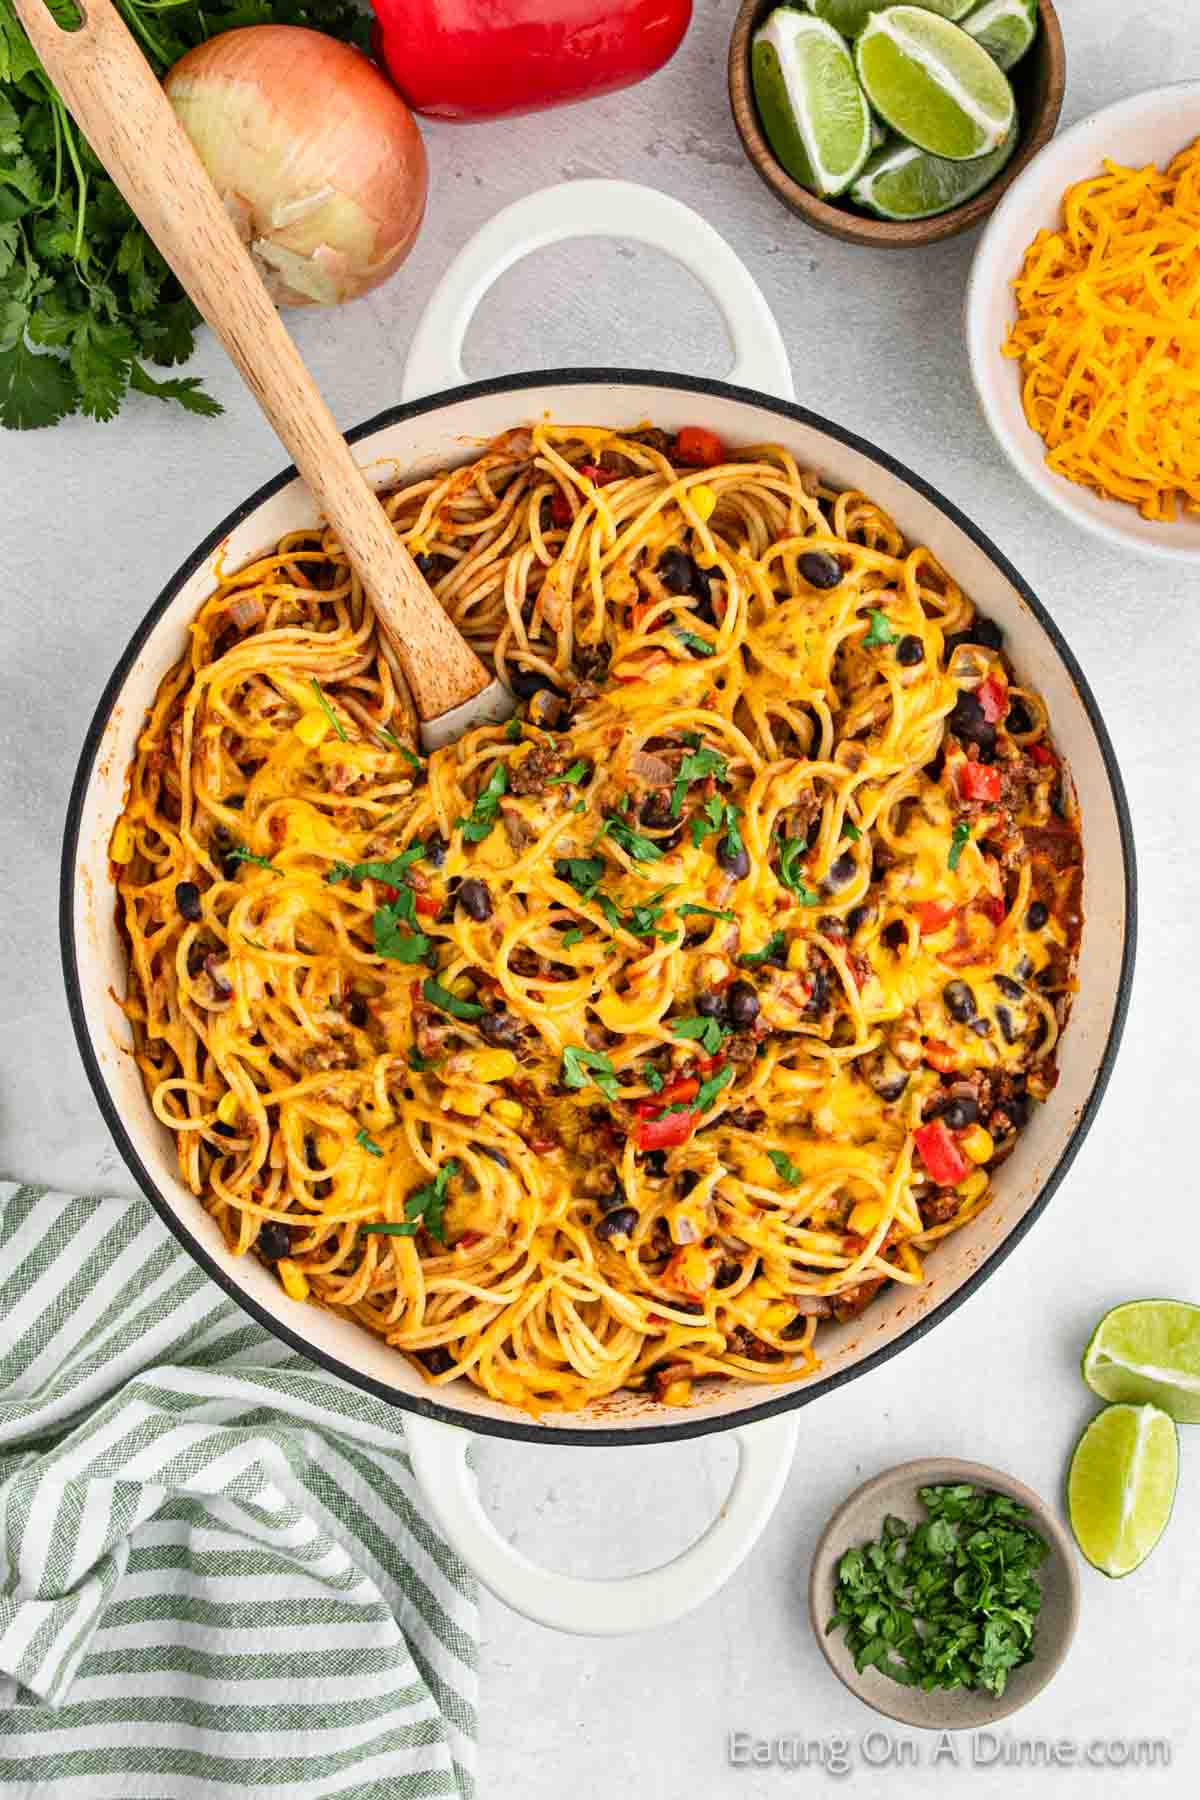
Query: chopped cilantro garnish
[[710, 818], [487, 804], [791, 850], [880, 632], [960, 838], [653, 1078], [785, 1168], [709, 1033], [366, 1142], [571, 938], [239, 853], [754, 959], [392, 939], [850, 830], [639, 921], [425, 1206], [576, 772], [583, 873], [712, 1087], [446, 1002], [391, 872], [417, 1062], [696, 767], [692, 641], [579, 1066], [325, 707], [634, 844], [513, 729], [709, 912], [952, 1602]]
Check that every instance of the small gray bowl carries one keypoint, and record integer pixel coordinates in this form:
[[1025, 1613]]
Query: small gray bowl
[[859, 1520]]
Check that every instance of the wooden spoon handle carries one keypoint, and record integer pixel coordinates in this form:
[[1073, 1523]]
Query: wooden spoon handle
[[113, 94]]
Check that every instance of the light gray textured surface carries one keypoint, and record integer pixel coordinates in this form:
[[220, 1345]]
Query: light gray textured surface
[[98, 517]]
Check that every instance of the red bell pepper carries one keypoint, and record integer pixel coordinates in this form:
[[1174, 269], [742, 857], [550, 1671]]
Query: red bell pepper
[[697, 448], [940, 1056], [674, 1094], [931, 915], [992, 695], [665, 1132], [485, 59], [944, 1161], [1042, 755], [428, 906], [597, 474], [979, 781]]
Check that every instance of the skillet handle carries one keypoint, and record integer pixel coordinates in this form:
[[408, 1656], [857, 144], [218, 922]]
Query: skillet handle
[[438, 1454], [582, 209]]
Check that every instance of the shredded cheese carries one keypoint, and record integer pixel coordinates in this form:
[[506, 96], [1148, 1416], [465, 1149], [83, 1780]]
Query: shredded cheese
[[1108, 336]]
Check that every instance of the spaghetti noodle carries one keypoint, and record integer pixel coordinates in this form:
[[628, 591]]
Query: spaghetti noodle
[[627, 1043]]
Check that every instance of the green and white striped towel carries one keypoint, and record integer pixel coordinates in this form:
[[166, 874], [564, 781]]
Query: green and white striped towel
[[215, 1578]]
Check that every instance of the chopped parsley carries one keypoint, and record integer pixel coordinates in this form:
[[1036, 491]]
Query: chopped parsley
[[425, 1206], [483, 814], [640, 921], [785, 1168], [366, 1142], [446, 1002], [634, 844], [850, 830], [692, 641], [392, 872], [710, 818], [950, 1603], [391, 937], [653, 1078], [712, 1087], [239, 853], [696, 767], [880, 632], [576, 772], [513, 730], [708, 1033], [571, 938], [754, 959], [583, 873], [791, 850], [709, 912], [417, 1062], [579, 1066], [325, 707], [959, 840]]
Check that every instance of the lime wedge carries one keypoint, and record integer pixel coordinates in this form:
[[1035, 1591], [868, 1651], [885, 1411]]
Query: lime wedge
[[1122, 1485], [933, 84], [902, 182], [1005, 28], [849, 16], [811, 106], [1148, 1351]]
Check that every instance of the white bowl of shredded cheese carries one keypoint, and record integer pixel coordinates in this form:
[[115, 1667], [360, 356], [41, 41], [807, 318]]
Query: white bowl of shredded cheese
[[1144, 376]]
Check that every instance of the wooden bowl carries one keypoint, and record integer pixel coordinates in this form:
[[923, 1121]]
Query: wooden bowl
[[1038, 82]]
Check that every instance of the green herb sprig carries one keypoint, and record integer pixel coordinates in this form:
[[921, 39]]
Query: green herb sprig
[[580, 1066], [425, 1206], [482, 817]]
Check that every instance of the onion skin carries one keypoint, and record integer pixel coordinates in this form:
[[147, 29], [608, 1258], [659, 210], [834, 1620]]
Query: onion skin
[[316, 157]]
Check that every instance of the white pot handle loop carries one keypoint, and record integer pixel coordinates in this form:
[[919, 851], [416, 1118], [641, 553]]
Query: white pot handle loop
[[619, 209], [602, 1608]]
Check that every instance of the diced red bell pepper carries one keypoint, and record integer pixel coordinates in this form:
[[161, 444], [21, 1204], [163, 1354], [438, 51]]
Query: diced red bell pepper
[[931, 915], [697, 448], [560, 508], [485, 59], [674, 1094], [667, 1131], [940, 1056], [428, 906], [944, 1161], [992, 695], [390, 894], [979, 781], [597, 474], [992, 908], [1042, 755]]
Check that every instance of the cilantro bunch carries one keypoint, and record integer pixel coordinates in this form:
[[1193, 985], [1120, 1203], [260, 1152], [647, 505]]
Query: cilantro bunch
[[86, 301]]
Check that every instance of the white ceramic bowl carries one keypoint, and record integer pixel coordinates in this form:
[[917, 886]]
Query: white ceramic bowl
[[1149, 127]]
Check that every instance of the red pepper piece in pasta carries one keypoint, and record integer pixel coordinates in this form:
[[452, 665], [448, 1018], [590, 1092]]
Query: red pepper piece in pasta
[[944, 1161], [697, 448]]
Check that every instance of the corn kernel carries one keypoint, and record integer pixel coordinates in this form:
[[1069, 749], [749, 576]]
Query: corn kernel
[[677, 1393], [704, 501], [121, 847], [797, 954], [492, 1065], [509, 1112], [464, 987], [977, 1144], [865, 1217], [311, 727], [759, 1169], [467, 1104], [228, 1108], [973, 1186], [295, 1281]]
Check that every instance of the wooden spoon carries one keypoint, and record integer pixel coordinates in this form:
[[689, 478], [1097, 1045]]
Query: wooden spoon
[[121, 109]]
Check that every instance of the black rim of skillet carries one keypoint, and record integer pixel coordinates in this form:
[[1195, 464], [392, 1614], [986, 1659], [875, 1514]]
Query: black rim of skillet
[[529, 1431]]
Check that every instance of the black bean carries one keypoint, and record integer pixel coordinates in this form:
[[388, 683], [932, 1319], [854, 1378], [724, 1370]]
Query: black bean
[[273, 1241], [959, 1001], [687, 1182], [981, 1027], [933, 770], [970, 725], [677, 571], [438, 1360], [910, 651], [1012, 990], [615, 1196], [727, 1274], [499, 1028], [743, 1004], [187, 899], [856, 918], [710, 1006], [841, 873], [525, 683], [890, 1082], [356, 1011], [435, 851], [960, 1112], [224, 1130], [819, 569], [494, 1155], [1020, 719], [655, 1162], [231, 867], [1017, 1109], [475, 900], [1008, 1025], [778, 959], [655, 810], [621, 1222], [1037, 915], [734, 858], [220, 835], [980, 631]]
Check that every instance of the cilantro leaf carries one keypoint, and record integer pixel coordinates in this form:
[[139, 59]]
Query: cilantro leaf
[[482, 817], [691, 640], [696, 767], [712, 1087], [239, 853], [34, 389], [791, 850], [959, 840], [641, 920], [579, 1066], [850, 830], [424, 1206], [754, 959], [576, 772], [709, 912], [653, 1078], [366, 1142], [446, 1002], [785, 1168], [325, 707], [396, 943], [710, 818], [571, 938], [391, 873], [635, 845], [880, 632], [583, 873], [185, 390], [709, 1033]]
